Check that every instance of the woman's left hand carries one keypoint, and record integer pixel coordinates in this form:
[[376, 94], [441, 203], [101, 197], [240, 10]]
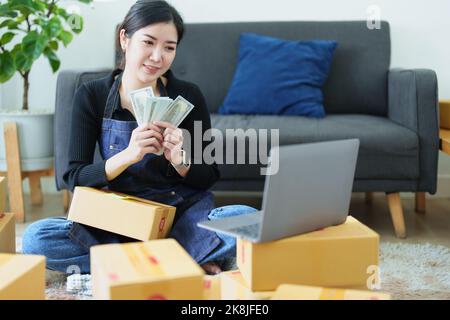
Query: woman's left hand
[[173, 142]]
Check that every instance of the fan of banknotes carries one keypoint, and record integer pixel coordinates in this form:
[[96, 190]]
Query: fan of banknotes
[[148, 108]]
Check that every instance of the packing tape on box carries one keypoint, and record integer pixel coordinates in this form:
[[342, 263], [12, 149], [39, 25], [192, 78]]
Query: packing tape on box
[[332, 294], [143, 261], [118, 196]]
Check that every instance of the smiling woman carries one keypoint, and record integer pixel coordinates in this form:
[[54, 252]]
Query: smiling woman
[[132, 164]]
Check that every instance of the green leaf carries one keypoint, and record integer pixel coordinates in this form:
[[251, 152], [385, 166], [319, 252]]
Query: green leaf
[[63, 13], [26, 7], [66, 37], [52, 59], [53, 27], [6, 22], [6, 38], [53, 45], [7, 67], [33, 44], [23, 62]]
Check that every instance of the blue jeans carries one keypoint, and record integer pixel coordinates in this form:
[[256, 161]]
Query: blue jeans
[[49, 237]]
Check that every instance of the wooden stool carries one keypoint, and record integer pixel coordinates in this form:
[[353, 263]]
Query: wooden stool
[[15, 175]]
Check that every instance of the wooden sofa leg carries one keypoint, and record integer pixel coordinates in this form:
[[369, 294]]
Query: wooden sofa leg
[[369, 197], [34, 178], [420, 202], [395, 207]]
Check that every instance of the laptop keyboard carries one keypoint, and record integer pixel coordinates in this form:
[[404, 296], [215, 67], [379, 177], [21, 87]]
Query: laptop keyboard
[[251, 230]]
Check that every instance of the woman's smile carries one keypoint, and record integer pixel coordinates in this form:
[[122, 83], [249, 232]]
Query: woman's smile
[[151, 69]]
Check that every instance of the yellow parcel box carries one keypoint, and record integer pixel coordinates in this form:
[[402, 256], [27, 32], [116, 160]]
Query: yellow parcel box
[[211, 287], [338, 256], [133, 217], [22, 277], [297, 292], [234, 287], [153, 270], [7, 233]]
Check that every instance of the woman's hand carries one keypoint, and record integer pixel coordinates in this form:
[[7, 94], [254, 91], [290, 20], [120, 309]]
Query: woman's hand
[[172, 142], [145, 139]]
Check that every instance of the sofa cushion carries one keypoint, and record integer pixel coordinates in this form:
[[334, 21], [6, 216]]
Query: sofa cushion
[[276, 76], [381, 156]]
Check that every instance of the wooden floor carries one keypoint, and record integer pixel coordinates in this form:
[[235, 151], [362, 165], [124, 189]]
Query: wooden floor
[[432, 227]]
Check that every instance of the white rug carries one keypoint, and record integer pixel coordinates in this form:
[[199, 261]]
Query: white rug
[[415, 271]]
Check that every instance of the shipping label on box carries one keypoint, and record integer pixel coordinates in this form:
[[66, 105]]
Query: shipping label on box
[[22, 277], [130, 216], [153, 270], [298, 292], [7, 233], [338, 256], [234, 287]]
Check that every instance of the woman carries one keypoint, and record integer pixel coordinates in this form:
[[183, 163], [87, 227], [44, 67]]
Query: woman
[[103, 113]]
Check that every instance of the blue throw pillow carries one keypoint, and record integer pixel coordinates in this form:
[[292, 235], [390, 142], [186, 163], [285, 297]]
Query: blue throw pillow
[[281, 77]]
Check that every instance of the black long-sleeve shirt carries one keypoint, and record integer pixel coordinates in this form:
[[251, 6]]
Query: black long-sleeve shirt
[[88, 109]]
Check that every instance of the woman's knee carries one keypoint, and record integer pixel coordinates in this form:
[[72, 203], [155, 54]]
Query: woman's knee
[[229, 211], [38, 236]]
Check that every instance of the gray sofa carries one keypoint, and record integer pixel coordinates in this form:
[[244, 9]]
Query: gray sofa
[[392, 111]]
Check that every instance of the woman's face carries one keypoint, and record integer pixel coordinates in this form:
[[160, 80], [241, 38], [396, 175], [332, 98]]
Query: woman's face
[[150, 51]]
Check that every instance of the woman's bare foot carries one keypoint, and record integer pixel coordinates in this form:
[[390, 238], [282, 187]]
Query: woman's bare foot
[[211, 268]]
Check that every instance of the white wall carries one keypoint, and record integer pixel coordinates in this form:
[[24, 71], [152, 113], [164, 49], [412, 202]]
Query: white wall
[[419, 36]]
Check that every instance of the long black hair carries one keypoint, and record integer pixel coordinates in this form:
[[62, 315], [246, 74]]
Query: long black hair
[[144, 13]]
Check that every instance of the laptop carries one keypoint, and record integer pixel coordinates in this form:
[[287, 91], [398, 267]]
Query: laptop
[[311, 190]]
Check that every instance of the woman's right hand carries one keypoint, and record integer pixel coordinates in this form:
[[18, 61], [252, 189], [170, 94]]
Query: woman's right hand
[[145, 139]]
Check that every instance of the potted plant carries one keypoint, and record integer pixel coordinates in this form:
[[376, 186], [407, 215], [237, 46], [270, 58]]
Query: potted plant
[[30, 29]]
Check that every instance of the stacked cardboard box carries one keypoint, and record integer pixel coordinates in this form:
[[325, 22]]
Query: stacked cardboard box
[[211, 287], [297, 292], [338, 256], [157, 269], [234, 287], [22, 277], [7, 233], [133, 217]]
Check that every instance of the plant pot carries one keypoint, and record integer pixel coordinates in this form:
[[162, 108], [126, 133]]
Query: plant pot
[[35, 132]]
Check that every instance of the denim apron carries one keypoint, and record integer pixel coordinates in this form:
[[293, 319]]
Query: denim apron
[[193, 205]]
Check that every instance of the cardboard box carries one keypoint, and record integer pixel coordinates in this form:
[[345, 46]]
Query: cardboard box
[[153, 270], [211, 287], [7, 233], [133, 217], [2, 194], [444, 114], [297, 292], [234, 287], [337, 256], [22, 277]]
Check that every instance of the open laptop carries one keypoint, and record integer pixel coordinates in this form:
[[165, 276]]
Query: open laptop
[[310, 191]]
